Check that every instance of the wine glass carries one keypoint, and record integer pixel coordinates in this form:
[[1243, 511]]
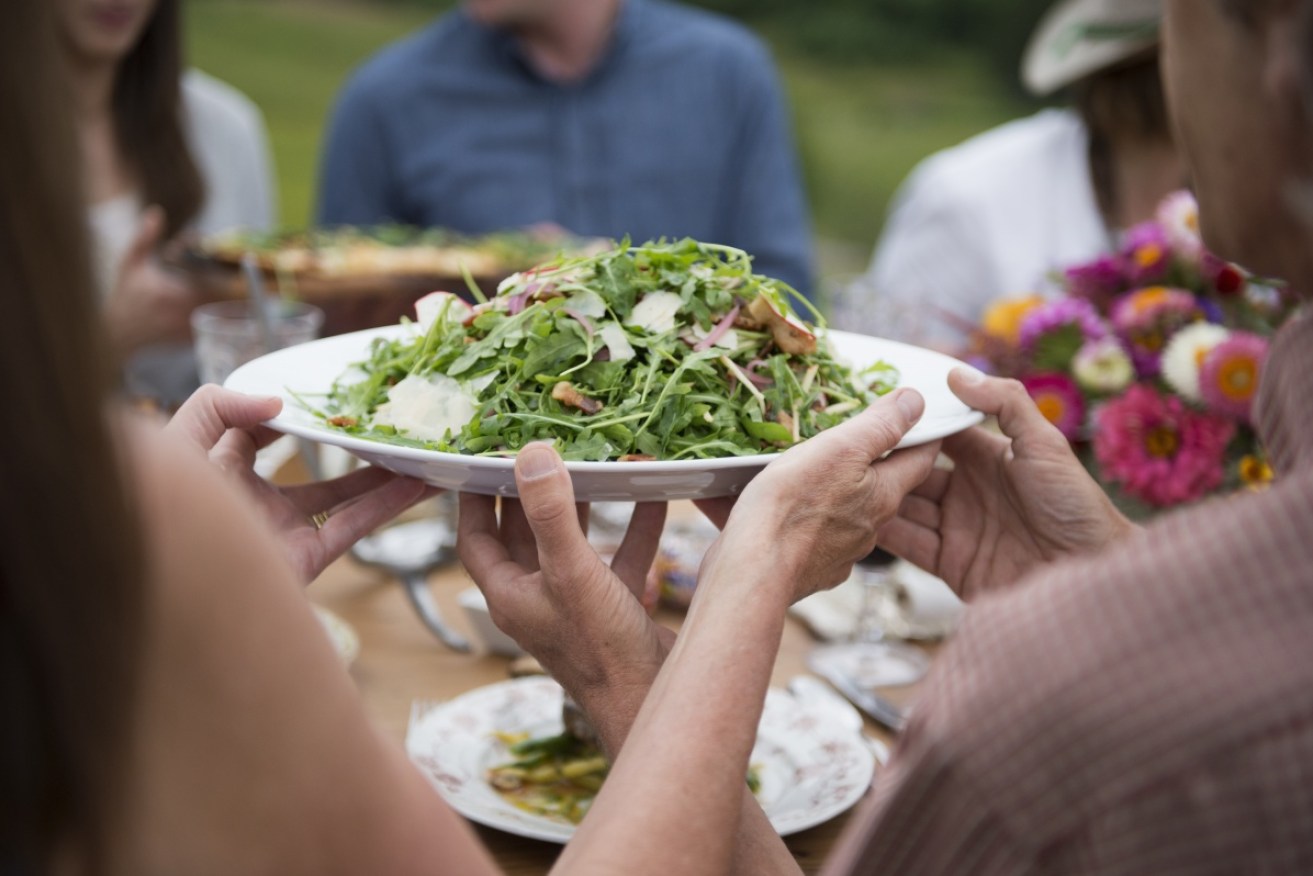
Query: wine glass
[[868, 658], [854, 304]]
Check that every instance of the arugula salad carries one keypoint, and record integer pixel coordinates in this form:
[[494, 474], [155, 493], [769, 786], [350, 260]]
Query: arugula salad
[[664, 351]]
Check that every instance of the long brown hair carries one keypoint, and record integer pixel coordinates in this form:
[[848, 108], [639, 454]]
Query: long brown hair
[[71, 598], [1122, 104], [148, 119]]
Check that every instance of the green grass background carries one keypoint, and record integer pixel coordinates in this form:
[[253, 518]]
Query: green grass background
[[860, 126]]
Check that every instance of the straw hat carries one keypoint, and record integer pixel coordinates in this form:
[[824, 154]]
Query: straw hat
[[1079, 37]]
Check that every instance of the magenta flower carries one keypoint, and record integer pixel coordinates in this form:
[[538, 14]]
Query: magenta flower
[[1229, 375], [1158, 449], [1148, 254], [1059, 400], [1098, 281], [1055, 330], [1146, 320]]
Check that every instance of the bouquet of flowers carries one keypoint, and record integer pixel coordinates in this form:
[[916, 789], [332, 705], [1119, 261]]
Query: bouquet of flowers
[[1149, 362]]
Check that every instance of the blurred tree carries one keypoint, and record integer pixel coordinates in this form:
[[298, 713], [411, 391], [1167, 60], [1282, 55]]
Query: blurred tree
[[882, 30], [897, 30]]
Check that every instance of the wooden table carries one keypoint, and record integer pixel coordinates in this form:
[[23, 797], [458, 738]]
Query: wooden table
[[400, 661]]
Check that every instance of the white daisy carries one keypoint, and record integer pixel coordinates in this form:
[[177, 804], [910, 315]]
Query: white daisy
[[1185, 354]]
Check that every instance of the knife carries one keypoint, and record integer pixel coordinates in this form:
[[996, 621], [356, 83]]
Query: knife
[[877, 708]]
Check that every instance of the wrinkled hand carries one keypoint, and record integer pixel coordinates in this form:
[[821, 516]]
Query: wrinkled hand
[[816, 510], [549, 590], [148, 303], [1011, 502], [225, 425]]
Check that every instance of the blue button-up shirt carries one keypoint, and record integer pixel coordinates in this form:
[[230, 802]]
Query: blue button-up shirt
[[680, 130]]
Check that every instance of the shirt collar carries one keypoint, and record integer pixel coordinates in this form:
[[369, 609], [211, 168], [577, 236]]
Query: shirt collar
[[623, 35]]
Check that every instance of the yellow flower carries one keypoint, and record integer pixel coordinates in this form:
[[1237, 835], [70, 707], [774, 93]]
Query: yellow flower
[[1255, 473], [1003, 318]]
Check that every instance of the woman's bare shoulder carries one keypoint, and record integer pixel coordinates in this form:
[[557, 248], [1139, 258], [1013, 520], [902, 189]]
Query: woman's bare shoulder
[[241, 690]]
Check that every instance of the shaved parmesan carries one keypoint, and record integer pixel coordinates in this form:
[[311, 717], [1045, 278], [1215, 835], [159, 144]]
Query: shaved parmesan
[[427, 408], [586, 302], [656, 312], [450, 307], [613, 335]]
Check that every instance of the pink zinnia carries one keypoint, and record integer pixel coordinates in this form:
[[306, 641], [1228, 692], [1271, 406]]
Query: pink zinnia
[[1075, 315], [1229, 375], [1158, 449], [1059, 400], [1146, 320], [1148, 253]]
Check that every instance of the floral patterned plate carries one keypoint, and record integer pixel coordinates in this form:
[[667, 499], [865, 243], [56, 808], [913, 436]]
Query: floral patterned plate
[[812, 766]]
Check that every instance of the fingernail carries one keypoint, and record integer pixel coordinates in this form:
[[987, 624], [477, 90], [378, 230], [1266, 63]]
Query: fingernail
[[909, 401], [535, 462], [969, 376]]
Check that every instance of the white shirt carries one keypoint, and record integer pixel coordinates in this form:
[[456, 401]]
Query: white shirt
[[993, 217], [227, 136], [228, 140]]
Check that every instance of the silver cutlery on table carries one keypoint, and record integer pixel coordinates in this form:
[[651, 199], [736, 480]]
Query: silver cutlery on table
[[409, 551], [878, 708]]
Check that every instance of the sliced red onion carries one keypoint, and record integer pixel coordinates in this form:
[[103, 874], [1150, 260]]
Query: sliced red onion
[[582, 320], [516, 303], [718, 332], [757, 379]]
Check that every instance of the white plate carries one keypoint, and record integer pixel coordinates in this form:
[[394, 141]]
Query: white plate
[[812, 766], [310, 369]]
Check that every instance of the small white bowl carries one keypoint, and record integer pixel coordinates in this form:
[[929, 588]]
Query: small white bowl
[[493, 640]]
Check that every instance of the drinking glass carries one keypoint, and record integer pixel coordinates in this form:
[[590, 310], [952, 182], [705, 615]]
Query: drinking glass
[[228, 334], [854, 304], [869, 659]]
